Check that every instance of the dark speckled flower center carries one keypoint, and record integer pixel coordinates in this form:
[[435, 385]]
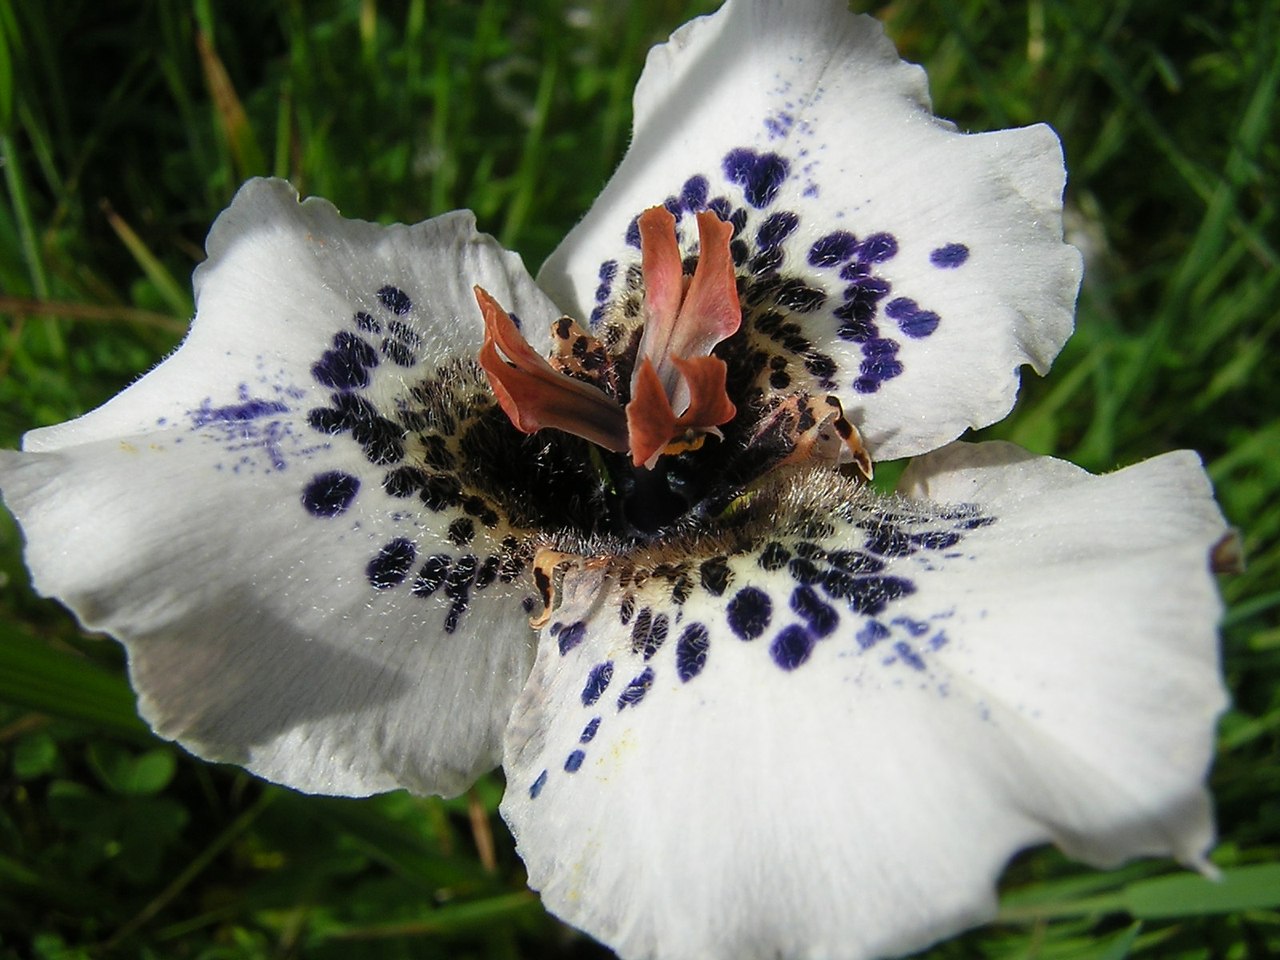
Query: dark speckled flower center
[[662, 392]]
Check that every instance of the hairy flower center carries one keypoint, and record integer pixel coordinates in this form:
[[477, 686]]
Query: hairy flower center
[[657, 396], [676, 394]]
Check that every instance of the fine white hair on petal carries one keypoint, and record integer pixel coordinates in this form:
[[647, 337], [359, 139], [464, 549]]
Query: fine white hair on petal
[[273, 521], [829, 741], [919, 266]]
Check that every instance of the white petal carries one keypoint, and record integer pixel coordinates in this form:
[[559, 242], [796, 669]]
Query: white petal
[[283, 277], [846, 776], [800, 120], [277, 521]]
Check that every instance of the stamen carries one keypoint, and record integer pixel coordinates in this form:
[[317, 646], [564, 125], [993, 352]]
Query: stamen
[[652, 424], [673, 370], [534, 395], [680, 323]]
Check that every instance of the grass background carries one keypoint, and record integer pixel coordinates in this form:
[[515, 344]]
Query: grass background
[[125, 128]]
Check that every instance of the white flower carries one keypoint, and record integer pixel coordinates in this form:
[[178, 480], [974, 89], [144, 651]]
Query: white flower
[[770, 713]]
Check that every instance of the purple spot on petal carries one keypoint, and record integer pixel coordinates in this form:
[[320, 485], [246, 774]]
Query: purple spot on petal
[[574, 761], [832, 249], [571, 636], [821, 617], [909, 656], [792, 647], [691, 651], [694, 193], [775, 229], [749, 612], [759, 174], [871, 634], [950, 256], [636, 689], [536, 787], [878, 248], [900, 308], [919, 324], [395, 300], [597, 682], [330, 494]]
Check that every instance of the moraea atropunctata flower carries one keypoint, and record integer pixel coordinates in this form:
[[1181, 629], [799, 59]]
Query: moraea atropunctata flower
[[762, 710]]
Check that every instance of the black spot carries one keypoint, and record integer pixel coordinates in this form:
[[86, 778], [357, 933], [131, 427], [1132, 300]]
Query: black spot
[[345, 367], [774, 556], [691, 651], [715, 575], [330, 494], [769, 323], [649, 632], [398, 353], [435, 452], [457, 584], [749, 612], [441, 491], [804, 571], [392, 564], [936, 539], [395, 300], [779, 380], [796, 295], [487, 573], [403, 481], [327, 420], [461, 532], [626, 609], [889, 541], [404, 333], [766, 262], [454, 614], [851, 561], [431, 576], [590, 730], [977, 522], [367, 323], [821, 366]]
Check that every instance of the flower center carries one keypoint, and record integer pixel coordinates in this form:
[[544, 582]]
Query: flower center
[[677, 392], [649, 404]]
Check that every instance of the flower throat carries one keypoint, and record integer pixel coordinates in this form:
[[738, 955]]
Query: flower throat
[[668, 436]]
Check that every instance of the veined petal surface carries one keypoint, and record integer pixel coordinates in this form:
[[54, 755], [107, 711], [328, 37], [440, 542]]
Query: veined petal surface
[[885, 258], [824, 736], [278, 521]]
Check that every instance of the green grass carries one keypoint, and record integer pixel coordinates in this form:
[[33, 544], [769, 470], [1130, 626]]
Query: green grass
[[123, 133]]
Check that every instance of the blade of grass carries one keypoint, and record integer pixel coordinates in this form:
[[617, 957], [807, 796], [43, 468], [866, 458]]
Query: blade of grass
[[172, 292], [39, 677]]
